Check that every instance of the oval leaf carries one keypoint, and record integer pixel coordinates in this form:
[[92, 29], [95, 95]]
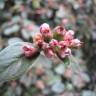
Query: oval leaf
[[12, 63]]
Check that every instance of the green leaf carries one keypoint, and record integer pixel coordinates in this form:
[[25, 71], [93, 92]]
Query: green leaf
[[88, 93], [10, 54], [42, 60], [52, 78], [14, 40], [60, 69], [15, 69], [13, 29], [9, 92], [12, 63], [58, 87], [74, 64]]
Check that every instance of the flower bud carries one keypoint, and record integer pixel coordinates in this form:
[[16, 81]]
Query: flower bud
[[45, 45], [49, 52], [59, 30], [71, 32], [67, 51], [53, 43], [28, 50], [38, 40], [76, 43], [62, 44], [44, 28], [46, 32], [64, 52], [69, 35], [65, 43]]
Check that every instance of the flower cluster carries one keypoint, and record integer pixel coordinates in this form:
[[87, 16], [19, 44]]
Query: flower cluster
[[53, 42], [56, 42]]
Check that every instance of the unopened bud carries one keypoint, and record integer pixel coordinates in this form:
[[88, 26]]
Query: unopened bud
[[28, 50], [65, 52], [69, 35], [38, 40], [53, 43], [49, 52], [44, 28], [76, 43], [62, 44], [59, 30]]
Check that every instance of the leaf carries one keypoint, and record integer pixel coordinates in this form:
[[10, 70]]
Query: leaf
[[12, 63], [26, 80], [15, 69], [85, 77], [25, 34], [60, 69], [69, 86], [58, 87], [77, 81], [43, 61], [88, 93], [52, 78], [14, 40], [13, 29], [10, 54], [74, 64], [9, 92]]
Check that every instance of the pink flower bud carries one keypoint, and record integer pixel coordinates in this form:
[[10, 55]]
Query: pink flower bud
[[65, 52], [45, 45], [71, 32], [65, 43], [38, 40], [44, 28], [28, 50], [53, 43], [76, 43], [60, 30], [62, 44], [69, 35], [49, 52]]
